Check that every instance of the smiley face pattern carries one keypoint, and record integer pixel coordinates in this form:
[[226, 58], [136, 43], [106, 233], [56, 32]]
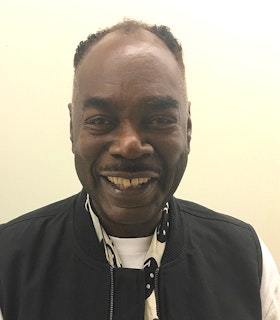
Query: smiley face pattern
[[152, 260]]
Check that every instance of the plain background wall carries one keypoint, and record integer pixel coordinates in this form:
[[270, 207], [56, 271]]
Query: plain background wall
[[232, 52]]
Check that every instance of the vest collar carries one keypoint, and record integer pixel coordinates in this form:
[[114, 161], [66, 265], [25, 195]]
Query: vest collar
[[91, 249]]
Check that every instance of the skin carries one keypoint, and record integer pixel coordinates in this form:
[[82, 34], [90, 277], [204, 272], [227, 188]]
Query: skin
[[130, 130]]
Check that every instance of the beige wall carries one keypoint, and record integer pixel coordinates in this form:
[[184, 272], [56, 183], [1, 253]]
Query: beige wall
[[233, 71]]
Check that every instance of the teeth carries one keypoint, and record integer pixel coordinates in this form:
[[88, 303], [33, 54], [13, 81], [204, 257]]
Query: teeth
[[123, 183]]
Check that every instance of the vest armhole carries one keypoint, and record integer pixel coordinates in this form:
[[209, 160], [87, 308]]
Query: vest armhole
[[259, 253]]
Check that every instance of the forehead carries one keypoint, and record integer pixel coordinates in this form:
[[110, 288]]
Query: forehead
[[138, 62]]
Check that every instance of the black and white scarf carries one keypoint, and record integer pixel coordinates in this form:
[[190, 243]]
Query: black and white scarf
[[152, 260]]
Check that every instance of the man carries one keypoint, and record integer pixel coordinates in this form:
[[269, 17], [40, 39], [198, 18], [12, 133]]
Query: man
[[125, 248]]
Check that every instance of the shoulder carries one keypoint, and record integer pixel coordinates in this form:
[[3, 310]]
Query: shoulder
[[35, 238], [221, 233], [205, 215], [36, 221]]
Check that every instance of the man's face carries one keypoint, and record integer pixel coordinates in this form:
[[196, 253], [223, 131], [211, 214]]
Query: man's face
[[129, 130]]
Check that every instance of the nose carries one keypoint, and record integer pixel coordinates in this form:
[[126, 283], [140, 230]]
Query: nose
[[128, 144]]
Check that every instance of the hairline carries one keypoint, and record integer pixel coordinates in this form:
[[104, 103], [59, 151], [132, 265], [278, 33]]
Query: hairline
[[132, 28]]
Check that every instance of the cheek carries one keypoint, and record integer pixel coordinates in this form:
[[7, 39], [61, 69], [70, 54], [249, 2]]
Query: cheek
[[174, 155], [89, 152], [86, 147], [173, 149], [86, 153]]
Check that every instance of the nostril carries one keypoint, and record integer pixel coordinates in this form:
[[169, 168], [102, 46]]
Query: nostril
[[130, 148]]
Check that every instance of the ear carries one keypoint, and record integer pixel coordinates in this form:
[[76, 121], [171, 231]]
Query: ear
[[189, 124], [71, 123]]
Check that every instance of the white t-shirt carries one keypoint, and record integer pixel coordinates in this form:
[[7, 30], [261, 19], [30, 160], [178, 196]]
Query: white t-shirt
[[270, 286], [133, 251]]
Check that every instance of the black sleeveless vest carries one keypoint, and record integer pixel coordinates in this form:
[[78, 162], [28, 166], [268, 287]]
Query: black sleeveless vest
[[53, 268]]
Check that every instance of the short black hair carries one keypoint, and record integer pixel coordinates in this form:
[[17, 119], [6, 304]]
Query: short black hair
[[130, 26]]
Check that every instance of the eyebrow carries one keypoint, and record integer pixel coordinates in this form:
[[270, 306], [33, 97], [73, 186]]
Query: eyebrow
[[154, 102], [97, 102], [161, 102]]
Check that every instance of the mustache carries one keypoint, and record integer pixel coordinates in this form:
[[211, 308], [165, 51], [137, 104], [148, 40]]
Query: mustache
[[129, 168]]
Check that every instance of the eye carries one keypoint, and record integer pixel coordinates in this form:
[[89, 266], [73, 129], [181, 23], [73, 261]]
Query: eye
[[98, 121], [99, 124], [162, 121]]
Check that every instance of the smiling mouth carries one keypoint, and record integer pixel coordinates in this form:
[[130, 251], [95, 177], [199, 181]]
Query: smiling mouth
[[123, 183]]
